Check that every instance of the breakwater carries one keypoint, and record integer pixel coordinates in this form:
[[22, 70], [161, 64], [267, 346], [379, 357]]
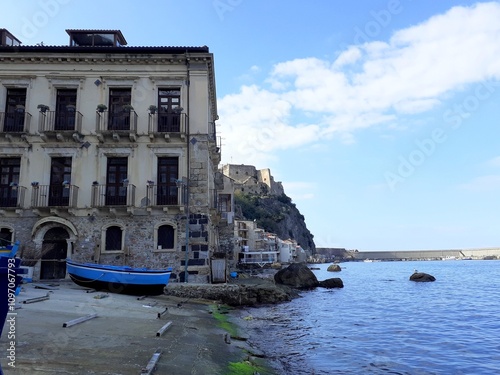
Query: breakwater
[[447, 254]]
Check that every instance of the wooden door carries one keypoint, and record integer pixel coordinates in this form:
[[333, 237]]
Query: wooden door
[[15, 110], [116, 184], [54, 254], [65, 110], [168, 173], [119, 118], [60, 171]]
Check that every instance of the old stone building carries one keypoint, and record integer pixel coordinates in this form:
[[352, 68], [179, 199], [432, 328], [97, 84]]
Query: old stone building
[[250, 180], [109, 153]]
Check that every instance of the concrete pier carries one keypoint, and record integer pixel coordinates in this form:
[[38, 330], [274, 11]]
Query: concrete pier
[[343, 254]]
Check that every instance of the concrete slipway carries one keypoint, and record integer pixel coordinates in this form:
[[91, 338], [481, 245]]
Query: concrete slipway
[[120, 340]]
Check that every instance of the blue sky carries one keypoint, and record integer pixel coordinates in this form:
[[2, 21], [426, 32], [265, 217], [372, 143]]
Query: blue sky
[[381, 118]]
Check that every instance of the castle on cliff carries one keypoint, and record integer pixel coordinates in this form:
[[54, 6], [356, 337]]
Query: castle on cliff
[[249, 180]]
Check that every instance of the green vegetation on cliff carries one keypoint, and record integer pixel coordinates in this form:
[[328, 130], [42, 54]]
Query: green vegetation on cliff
[[275, 214]]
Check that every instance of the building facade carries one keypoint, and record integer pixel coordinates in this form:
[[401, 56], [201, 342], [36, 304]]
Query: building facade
[[109, 154]]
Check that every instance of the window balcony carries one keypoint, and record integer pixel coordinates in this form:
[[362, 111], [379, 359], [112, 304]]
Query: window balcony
[[15, 122], [116, 124], [165, 195], [167, 125], [60, 121], [12, 196], [113, 195], [45, 196]]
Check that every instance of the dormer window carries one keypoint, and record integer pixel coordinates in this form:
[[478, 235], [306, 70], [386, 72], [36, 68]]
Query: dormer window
[[7, 39], [90, 38]]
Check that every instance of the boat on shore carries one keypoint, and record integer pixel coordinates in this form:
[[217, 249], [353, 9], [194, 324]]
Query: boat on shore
[[10, 278], [119, 279]]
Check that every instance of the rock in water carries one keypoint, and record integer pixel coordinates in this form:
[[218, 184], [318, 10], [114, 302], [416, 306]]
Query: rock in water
[[422, 277], [334, 282], [296, 275], [334, 268]]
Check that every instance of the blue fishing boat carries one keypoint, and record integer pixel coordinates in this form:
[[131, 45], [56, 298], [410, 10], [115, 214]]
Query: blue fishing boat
[[118, 279], [10, 278]]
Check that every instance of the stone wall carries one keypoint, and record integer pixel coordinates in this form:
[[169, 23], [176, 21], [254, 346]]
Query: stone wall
[[139, 248], [252, 181]]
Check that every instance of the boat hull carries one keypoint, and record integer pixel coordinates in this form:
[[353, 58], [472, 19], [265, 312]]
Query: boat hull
[[116, 279], [10, 278]]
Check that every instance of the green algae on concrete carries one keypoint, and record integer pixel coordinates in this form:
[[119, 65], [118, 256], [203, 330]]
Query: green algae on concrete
[[220, 312], [243, 368]]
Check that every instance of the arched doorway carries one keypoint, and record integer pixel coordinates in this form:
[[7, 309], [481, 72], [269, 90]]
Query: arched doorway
[[54, 254]]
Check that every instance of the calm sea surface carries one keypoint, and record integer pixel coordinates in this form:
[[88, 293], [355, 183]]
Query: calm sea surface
[[382, 323]]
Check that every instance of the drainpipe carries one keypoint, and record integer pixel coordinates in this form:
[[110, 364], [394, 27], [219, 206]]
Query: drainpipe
[[188, 83]]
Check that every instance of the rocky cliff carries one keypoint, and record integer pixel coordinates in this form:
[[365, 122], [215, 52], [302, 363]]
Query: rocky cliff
[[276, 214]]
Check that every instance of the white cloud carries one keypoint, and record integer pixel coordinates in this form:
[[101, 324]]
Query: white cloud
[[254, 69], [350, 56], [483, 184], [415, 106], [367, 85], [495, 162], [249, 76]]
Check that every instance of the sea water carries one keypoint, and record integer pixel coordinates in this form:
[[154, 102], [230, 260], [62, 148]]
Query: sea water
[[382, 323]]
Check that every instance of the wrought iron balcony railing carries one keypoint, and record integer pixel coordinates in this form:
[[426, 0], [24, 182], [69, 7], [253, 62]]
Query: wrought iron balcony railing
[[113, 195], [110, 122], [165, 195], [15, 122], [54, 196], [167, 123], [12, 196], [60, 121]]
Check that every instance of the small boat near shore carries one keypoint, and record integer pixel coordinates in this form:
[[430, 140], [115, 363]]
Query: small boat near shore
[[10, 278], [119, 279]]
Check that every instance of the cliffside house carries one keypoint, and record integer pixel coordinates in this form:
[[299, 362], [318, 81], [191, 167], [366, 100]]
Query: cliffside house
[[254, 246], [108, 154]]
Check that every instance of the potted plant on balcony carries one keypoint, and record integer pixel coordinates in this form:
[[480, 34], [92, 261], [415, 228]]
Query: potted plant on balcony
[[71, 108], [20, 108], [128, 108], [35, 184], [177, 110], [43, 108], [101, 107], [151, 182], [95, 183], [152, 109], [66, 184], [13, 185]]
